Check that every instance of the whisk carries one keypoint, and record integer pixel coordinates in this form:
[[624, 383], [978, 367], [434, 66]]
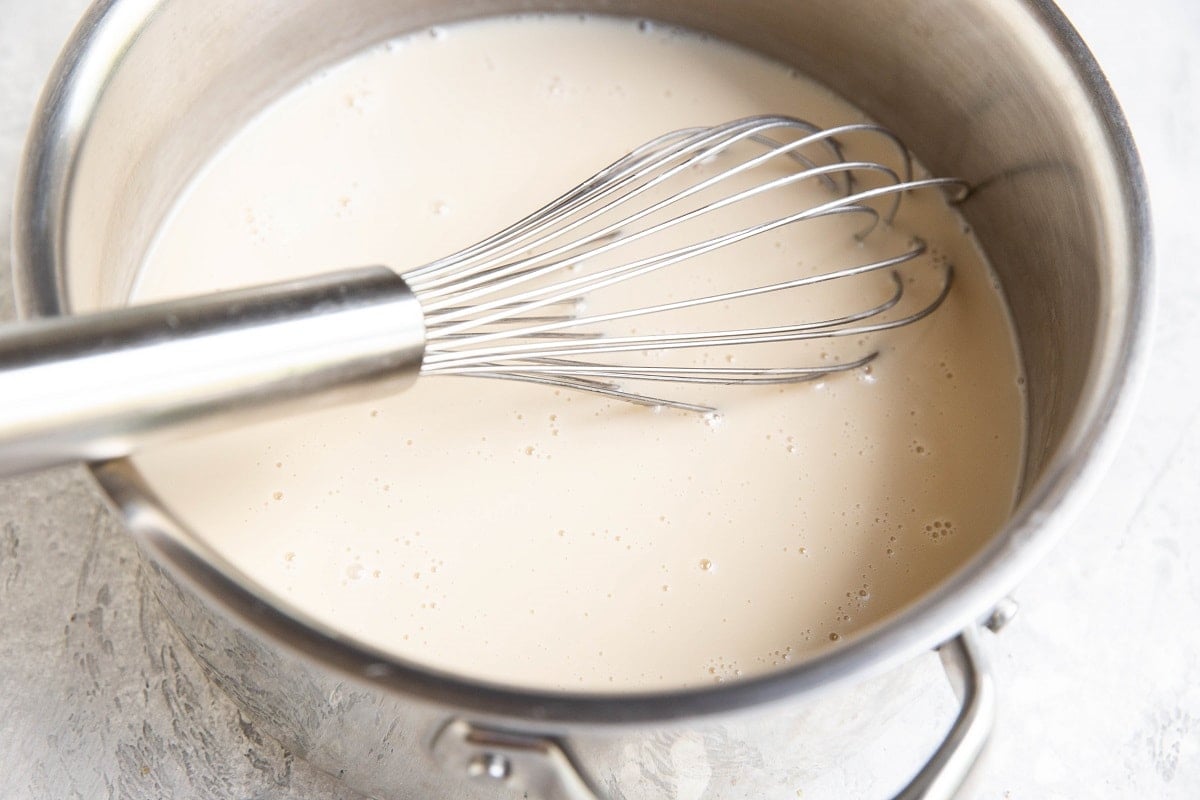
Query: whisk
[[512, 307]]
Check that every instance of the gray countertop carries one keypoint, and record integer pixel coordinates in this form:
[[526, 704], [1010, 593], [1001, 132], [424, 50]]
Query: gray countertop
[[1099, 675]]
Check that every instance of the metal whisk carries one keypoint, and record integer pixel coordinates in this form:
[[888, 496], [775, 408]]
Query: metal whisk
[[101, 385], [483, 318]]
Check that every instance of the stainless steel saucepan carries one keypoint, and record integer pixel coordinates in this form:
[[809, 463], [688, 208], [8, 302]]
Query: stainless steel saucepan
[[1000, 92]]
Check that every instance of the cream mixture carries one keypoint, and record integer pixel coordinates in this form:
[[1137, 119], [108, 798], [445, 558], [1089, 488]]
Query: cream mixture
[[547, 538]]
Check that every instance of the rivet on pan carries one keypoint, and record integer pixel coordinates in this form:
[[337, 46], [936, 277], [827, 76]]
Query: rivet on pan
[[1001, 615], [489, 765]]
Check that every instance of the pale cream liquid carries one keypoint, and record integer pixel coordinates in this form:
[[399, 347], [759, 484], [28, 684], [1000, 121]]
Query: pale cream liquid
[[556, 539]]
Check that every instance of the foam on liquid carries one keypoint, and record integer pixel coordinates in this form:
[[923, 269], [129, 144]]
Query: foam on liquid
[[524, 535]]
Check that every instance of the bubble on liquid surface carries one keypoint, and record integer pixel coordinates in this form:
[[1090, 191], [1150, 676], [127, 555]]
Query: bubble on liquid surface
[[939, 529]]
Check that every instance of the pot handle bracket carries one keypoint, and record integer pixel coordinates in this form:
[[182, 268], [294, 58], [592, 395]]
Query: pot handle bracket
[[537, 766], [542, 768]]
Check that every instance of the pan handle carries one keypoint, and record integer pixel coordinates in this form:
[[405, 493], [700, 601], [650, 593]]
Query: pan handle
[[952, 763], [541, 766]]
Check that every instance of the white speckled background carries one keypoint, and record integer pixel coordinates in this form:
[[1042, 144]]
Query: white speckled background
[[1099, 675]]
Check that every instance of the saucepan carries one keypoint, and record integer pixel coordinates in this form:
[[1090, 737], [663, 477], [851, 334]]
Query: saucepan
[[1000, 92]]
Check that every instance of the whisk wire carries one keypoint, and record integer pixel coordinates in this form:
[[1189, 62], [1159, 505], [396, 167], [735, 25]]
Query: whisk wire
[[706, 142], [740, 294], [458, 274]]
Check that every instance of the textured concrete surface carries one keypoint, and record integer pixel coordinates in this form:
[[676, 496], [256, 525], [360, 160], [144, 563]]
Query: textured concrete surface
[[1099, 675]]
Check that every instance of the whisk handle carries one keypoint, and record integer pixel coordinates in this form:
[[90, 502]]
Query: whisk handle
[[99, 386]]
